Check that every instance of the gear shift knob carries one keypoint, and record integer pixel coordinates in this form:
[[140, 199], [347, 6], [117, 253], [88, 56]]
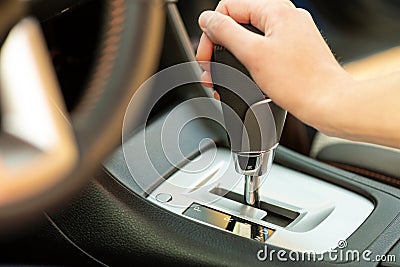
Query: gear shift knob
[[254, 140]]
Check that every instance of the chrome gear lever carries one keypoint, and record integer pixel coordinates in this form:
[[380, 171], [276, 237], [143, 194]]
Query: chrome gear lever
[[255, 165], [254, 139]]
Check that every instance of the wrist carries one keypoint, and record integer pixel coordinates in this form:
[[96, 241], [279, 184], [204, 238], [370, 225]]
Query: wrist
[[325, 108]]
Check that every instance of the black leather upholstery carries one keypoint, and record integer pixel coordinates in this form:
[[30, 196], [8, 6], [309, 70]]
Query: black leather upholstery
[[119, 227]]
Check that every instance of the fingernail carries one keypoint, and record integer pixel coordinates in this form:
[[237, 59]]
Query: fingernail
[[205, 18]]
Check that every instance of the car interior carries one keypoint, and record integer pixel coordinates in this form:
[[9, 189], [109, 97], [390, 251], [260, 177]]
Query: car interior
[[112, 152]]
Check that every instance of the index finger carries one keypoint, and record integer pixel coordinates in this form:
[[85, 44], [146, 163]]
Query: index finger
[[205, 49], [250, 11], [253, 12]]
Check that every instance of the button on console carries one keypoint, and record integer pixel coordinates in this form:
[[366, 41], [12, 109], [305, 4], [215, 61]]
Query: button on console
[[163, 197]]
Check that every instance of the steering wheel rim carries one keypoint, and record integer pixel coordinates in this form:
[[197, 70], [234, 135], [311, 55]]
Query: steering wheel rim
[[131, 38]]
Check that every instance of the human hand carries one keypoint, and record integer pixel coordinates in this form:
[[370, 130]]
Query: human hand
[[292, 64]]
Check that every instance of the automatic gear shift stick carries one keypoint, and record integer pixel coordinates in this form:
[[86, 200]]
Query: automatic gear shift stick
[[253, 141]]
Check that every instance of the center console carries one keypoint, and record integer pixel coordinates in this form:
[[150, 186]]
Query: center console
[[173, 198], [298, 212]]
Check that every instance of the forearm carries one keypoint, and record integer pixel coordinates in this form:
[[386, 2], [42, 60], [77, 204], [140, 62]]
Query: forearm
[[377, 65], [365, 110]]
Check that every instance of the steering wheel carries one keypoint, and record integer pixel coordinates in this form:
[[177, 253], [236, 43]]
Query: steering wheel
[[47, 153]]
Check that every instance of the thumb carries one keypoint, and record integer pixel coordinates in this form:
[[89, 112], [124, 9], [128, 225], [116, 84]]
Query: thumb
[[223, 30]]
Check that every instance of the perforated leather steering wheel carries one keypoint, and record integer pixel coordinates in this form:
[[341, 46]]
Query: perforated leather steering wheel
[[47, 153]]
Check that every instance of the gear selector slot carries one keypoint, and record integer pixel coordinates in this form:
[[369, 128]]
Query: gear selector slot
[[276, 215]]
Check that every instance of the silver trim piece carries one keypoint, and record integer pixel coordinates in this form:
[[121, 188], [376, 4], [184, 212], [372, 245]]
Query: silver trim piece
[[328, 213]]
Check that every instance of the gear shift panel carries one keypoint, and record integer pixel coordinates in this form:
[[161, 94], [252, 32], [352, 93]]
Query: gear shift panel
[[301, 210]]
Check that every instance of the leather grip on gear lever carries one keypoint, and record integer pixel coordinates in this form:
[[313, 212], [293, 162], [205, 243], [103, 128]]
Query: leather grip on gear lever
[[248, 102], [222, 55]]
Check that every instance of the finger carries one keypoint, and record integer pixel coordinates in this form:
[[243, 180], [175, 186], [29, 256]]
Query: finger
[[254, 12], [205, 49], [206, 79], [223, 30], [205, 65], [216, 95]]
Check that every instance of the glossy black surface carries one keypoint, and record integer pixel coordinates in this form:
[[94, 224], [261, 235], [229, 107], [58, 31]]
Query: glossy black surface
[[229, 222]]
